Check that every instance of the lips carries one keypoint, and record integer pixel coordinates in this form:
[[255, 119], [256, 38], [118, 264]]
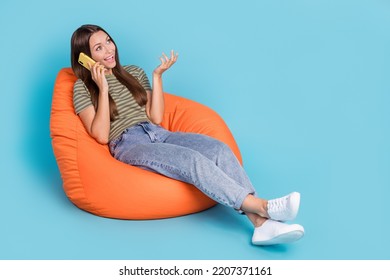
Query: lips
[[109, 59]]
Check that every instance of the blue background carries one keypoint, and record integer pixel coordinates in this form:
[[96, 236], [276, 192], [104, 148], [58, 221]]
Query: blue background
[[303, 85]]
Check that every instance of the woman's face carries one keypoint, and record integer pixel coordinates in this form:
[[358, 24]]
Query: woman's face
[[103, 49]]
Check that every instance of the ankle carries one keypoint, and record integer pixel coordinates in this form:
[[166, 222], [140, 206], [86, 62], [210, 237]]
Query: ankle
[[259, 221], [263, 208]]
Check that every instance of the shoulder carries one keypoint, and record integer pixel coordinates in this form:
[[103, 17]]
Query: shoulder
[[79, 83], [134, 70], [79, 87], [138, 73]]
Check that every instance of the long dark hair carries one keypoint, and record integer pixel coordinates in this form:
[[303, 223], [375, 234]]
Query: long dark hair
[[80, 43]]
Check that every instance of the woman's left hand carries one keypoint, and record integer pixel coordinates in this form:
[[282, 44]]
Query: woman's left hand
[[166, 63]]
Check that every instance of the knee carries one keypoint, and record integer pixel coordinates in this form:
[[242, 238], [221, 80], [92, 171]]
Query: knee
[[224, 152]]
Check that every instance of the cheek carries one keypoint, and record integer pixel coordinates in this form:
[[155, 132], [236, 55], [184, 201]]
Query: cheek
[[96, 56]]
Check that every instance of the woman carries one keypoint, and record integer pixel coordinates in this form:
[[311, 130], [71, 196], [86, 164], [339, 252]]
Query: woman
[[118, 107]]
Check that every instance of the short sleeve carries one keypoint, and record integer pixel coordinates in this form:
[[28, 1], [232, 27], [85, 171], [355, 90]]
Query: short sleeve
[[140, 75], [81, 96]]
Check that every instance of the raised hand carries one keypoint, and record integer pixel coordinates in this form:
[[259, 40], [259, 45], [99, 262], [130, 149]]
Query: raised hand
[[99, 77], [166, 63]]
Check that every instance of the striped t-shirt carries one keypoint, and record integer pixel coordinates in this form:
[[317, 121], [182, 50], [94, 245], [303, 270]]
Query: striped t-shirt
[[129, 112]]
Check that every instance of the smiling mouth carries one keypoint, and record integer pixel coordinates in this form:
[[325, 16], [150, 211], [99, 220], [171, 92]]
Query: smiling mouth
[[109, 58]]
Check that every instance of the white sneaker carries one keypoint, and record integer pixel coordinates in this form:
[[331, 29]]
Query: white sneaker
[[284, 208], [273, 232]]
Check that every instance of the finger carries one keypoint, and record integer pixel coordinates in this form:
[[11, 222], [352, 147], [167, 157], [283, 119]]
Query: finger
[[165, 57], [96, 66], [162, 60], [98, 70], [173, 56], [93, 71], [102, 69]]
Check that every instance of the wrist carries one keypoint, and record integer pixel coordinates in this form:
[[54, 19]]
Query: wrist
[[157, 75], [103, 91]]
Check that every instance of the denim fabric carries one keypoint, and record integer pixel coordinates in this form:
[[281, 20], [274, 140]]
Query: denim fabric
[[202, 161]]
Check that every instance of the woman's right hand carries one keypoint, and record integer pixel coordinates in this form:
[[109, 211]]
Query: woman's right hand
[[97, 122], [99, 77]]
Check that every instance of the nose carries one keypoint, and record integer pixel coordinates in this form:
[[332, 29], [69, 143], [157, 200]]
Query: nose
[[108, 50]]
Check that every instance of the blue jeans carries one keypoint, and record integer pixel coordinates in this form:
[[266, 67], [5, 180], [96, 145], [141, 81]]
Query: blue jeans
[[202, 161]]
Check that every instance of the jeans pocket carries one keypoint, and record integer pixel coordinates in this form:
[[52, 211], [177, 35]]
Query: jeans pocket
[[114, 143]]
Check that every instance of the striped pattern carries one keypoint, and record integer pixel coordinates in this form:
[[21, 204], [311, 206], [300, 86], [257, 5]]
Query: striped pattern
[[129, 112]]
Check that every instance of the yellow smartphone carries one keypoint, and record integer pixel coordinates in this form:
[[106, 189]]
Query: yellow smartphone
[[85, 60]]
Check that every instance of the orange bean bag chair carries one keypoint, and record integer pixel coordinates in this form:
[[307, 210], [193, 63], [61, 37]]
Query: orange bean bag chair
[[96, 182]]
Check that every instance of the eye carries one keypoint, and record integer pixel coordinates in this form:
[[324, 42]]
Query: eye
[[109, 41], [98, 48]]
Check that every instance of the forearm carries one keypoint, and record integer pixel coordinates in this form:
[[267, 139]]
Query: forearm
[[156, 107], [100, 127]]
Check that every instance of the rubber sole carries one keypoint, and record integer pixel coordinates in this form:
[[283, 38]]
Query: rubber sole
[[287, 237]]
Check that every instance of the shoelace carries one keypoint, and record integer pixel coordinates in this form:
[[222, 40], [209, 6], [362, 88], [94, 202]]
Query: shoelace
[[278, 205]]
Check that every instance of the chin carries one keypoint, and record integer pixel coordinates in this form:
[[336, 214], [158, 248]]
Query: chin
[[110, 66]]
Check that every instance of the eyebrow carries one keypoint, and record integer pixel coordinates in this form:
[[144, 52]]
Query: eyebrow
[[108, 37], [96, 45]]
